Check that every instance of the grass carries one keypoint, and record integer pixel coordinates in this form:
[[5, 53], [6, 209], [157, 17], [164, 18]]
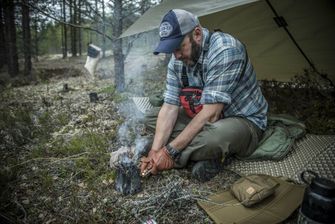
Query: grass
[[43, 176], [112, 94], [16, 125]]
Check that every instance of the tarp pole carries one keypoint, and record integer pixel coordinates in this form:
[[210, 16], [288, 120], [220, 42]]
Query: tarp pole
[[290, 35]]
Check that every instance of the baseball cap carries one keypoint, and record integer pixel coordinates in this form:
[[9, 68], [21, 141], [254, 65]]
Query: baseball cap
[[175, 24]]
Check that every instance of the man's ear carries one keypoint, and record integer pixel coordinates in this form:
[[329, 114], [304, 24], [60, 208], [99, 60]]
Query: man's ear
[[197, 35]]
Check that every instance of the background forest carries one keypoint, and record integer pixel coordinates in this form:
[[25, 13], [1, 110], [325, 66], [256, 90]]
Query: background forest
[[30, 29]]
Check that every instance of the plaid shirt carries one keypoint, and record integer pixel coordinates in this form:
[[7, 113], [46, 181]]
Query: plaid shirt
[[227, 79]]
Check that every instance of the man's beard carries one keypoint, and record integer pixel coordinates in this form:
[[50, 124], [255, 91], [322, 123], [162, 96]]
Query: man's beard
[[196, 51]]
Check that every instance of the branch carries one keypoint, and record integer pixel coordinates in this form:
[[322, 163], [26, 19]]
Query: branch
[[88, 15], [53, 159], [69, 24], [130, 44]]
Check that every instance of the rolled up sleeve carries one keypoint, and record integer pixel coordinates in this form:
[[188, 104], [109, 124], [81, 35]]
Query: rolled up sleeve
[[173, 85]]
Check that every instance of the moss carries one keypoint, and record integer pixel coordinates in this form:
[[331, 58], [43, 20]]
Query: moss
[[62, 119], [109, 176], [64, 171], [46, 180], [38, 151], [16, 124], [112, 94], [86, 169], [109, 90]]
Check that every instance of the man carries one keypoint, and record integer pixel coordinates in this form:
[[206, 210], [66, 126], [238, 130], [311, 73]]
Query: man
[[223, 110]]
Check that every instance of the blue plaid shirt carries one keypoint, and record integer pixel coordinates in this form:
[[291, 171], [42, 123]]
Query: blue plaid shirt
[[228, 78]]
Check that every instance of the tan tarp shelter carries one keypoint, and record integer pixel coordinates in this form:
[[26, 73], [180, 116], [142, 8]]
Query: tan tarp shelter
[[310, 23]]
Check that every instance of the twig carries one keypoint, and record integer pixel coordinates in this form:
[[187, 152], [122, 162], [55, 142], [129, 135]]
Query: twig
[[9, 220], [49, 158], [23, 210], [70, 157], [69, 24]]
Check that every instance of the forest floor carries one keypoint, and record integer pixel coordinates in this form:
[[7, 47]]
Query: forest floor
[[56, 144]]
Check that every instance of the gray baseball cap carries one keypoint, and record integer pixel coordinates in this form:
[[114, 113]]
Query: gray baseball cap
[[175, 24]]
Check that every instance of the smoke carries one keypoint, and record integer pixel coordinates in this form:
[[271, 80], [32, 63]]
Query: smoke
[[138, 63], [133, 146], [130, 132], [128, 136], [141, 147], [124, 134]]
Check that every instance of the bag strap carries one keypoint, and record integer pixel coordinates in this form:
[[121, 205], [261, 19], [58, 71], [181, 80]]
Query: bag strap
[[184, 77]]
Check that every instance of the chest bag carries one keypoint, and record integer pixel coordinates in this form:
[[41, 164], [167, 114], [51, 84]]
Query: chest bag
[[190, 95]]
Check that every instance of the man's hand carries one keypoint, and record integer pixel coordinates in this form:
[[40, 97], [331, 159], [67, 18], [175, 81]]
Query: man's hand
[[147, 162], [156, 161], [163, 161]]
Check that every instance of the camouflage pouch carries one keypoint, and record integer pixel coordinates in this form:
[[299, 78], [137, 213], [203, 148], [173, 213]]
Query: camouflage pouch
[[252, 189]]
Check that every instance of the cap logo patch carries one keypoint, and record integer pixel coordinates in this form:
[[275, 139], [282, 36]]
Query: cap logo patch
[[165, 29]]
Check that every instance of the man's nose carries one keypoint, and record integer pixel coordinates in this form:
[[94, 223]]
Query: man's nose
[[177, 54]]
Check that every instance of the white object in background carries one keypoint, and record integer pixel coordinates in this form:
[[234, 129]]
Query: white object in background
[[93, 57]]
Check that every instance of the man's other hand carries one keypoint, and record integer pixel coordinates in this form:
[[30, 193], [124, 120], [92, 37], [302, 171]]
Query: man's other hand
[[163, 161]]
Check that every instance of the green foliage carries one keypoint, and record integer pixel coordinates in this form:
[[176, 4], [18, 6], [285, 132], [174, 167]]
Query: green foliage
[[112, 94], [46, 180], [16, 124], [49, 122], [51, 41], [108, 90], [89, 142]]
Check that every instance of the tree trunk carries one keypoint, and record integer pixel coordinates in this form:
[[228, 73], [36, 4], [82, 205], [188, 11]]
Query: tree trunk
[[79, 30], [73, 16], [36, 38], [96, 19], [26, 38], [103, 30], [10, 37], [71, 28], [74, 35], [117, 49], [64, 32], [3, 55]]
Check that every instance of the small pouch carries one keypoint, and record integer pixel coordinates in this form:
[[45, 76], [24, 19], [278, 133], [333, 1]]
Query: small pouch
[[252, 189]]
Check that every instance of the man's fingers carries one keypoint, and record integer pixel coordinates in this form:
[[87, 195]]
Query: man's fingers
[[154, 170], [144, 163], [147, 165]]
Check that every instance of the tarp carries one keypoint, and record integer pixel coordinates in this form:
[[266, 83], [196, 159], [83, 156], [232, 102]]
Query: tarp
[[274, 55]]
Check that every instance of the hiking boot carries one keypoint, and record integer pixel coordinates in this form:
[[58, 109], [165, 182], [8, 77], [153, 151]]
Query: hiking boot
[[206, 169]]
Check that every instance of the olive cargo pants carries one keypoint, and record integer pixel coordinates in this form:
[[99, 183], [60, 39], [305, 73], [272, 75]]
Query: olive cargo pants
[[232, 135]]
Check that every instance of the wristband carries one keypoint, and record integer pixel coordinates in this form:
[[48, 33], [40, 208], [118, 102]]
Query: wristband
[[174, 153]]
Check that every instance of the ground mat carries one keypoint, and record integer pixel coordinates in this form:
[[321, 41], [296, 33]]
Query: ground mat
[[312, 152]]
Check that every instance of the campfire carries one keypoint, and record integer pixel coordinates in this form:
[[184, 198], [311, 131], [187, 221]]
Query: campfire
[[126, 163]]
